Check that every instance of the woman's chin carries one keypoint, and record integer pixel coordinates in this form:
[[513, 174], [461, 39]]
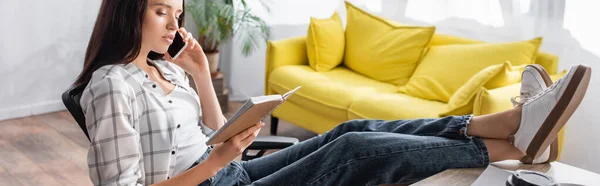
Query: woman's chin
[[162, 50]]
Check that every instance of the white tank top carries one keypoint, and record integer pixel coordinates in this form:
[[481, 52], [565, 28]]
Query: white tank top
[[190, 139]]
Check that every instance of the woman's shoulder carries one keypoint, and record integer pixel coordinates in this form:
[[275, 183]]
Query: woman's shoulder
[[115, 74], [108, 79], [113, 70]]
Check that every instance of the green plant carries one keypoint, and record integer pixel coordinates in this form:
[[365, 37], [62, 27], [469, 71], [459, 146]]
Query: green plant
[[219, 21]]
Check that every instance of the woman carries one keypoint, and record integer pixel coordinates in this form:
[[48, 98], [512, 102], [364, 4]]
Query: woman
[[147, 125]]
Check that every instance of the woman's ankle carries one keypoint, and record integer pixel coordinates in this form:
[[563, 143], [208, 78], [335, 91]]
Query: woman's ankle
[[500, 150], [515, 120]]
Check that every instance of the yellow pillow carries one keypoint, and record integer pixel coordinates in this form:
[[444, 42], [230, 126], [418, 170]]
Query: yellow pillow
[[497, 100], [382, 49], [489, 78], [509, 75], [462, 101], [444, 69], [325, 43]]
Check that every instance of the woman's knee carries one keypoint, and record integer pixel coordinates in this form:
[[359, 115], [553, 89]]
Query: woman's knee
[[352, 125], [353, 138], [351, 144]]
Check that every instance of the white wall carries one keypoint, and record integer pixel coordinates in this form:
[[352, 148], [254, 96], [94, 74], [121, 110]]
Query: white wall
[[570, 33], [43, 47], [42, 51]]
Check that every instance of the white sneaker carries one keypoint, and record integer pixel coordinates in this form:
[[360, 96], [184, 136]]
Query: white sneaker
[[547, 112], [535, 79]]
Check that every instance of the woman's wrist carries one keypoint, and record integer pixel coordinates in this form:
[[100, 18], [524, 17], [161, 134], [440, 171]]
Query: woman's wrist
[[212, 165], [196, 175]]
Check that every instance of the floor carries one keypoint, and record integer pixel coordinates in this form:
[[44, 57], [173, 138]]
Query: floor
[[50, 149]]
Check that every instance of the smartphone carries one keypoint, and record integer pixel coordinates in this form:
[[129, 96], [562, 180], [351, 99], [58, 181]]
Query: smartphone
[[177, 46]]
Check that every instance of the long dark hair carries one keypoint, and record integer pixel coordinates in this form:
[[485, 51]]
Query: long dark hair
[[117, 36]]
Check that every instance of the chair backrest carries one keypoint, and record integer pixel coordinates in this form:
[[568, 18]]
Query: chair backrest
[[71, 99]]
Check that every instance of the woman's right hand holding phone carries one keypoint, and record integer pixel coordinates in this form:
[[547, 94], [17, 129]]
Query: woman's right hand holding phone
[[223, 153]]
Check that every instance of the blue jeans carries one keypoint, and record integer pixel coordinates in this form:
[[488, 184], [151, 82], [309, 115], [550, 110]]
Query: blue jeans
[[365, 152]]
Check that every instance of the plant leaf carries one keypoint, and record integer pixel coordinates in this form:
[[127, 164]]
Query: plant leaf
[[218, 22]]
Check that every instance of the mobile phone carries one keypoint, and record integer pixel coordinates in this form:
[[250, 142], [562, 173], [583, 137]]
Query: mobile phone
[[177, 46]]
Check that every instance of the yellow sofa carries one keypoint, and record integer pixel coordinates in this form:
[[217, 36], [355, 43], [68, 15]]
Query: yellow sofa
[[329, 98]]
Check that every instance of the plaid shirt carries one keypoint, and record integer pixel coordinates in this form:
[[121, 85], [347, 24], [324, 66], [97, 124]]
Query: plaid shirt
[[134, 132]]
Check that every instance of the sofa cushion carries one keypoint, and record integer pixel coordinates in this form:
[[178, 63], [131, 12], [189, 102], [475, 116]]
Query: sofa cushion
[[382, 49], [446, 68], [547, 60], [491, 77], [487, 102], [325, 43], [329, 92], [509, 75], [394, 106]]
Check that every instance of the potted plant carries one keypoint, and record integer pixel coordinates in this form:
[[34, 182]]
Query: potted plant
[[219, 21]]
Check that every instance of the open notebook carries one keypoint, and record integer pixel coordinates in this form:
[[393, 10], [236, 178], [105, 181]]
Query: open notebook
[[252, 112]]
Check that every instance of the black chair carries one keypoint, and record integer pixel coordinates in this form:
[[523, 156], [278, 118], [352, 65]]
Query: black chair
[[72, 96]]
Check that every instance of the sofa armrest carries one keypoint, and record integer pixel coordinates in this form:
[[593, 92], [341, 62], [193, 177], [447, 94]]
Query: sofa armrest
[[548, 61], [290, 51]]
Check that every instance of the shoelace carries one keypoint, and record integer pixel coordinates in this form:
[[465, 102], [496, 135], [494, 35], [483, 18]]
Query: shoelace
[[521, 99], [524, 97], [545, 91]]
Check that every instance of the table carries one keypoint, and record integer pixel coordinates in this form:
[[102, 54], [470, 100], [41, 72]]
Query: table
[[561, 172]]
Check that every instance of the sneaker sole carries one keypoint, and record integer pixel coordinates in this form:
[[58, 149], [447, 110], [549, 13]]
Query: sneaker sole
[[560, 114], [546, 77]]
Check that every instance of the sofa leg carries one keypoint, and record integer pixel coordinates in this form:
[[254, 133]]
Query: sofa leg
[[274, 122]]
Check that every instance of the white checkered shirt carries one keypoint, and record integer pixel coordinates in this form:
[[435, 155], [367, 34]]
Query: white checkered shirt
[[132, 130]]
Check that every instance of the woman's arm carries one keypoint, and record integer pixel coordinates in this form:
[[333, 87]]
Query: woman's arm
[[115, 152], [212, 115], [194, 61]]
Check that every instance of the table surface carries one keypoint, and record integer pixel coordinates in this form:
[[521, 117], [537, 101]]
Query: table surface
[[562, 173]]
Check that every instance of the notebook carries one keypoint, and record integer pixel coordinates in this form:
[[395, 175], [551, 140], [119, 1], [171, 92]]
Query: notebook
[[255, 110]]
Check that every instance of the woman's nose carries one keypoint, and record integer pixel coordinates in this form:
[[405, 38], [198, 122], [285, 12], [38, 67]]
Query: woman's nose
[[173, 25]]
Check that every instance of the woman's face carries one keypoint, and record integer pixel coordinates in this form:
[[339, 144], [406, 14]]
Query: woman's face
[[160, 24]]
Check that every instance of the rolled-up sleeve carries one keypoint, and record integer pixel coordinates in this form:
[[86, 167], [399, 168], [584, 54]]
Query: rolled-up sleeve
[[115, 154]]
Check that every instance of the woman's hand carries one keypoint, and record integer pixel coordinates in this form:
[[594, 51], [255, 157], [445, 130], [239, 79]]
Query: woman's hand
[[225, 152], [192, 59]]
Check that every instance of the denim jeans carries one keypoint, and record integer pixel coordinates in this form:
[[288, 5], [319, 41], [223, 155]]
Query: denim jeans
[[232, 174], [365, 152]]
